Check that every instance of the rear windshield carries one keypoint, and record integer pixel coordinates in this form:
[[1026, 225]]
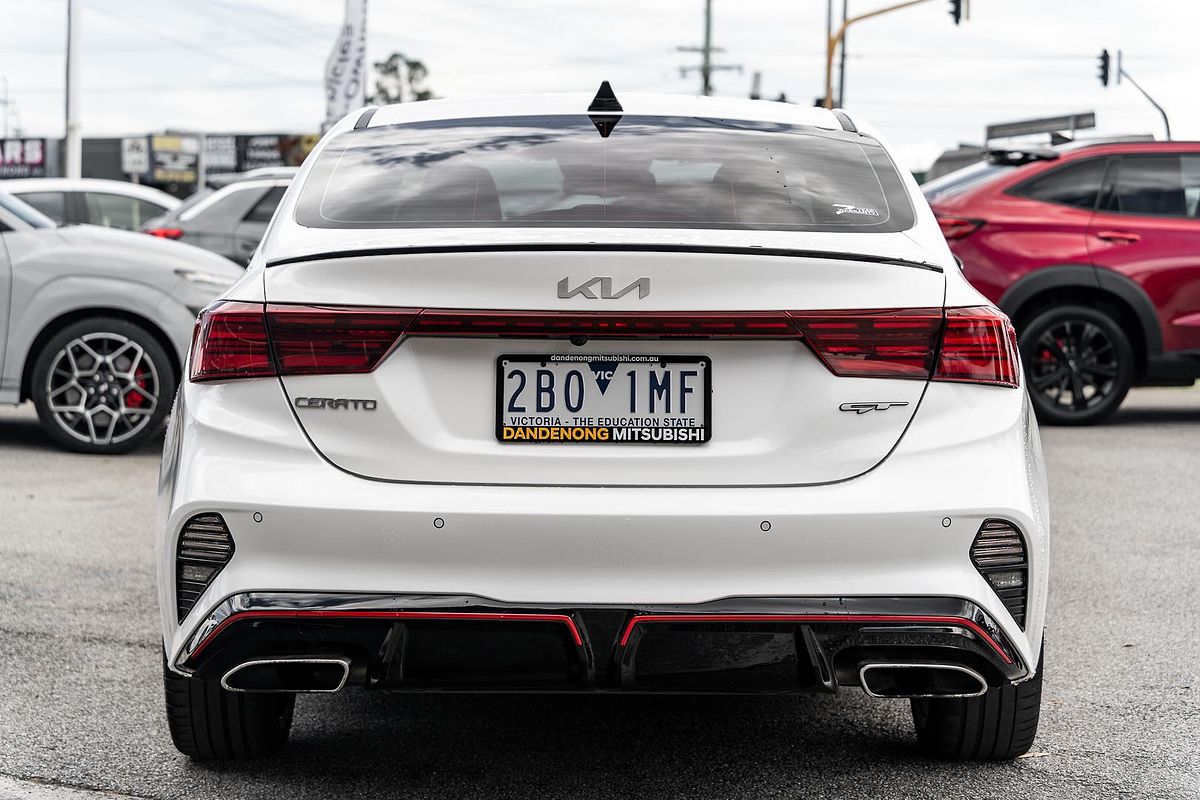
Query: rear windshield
[[651, 172]]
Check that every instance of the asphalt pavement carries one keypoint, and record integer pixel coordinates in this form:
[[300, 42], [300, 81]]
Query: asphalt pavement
[[81, 696]]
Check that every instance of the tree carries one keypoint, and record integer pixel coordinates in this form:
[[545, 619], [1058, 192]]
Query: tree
[[392, 75]]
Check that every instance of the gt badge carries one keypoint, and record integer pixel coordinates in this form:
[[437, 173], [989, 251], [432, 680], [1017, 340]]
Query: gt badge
[[862, 408]]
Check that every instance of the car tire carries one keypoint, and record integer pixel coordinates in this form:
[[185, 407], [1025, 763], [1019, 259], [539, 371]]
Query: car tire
[[996, 726], [1078, 364], [209, 723], [103, 385]]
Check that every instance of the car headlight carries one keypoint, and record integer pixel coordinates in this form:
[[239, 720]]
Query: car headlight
[[205, 278]]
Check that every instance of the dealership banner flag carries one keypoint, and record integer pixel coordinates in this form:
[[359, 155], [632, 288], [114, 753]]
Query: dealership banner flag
[[346, 69]]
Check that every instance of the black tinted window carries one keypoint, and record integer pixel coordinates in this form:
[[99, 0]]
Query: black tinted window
[[264, 209], [1076, 184], [1157, 185], [52, 204], [559, 172]]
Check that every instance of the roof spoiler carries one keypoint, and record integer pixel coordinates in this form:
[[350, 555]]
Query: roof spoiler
[[1016, 156]]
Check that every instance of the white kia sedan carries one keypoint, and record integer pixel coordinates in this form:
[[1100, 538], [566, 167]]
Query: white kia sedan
[[603, 394]]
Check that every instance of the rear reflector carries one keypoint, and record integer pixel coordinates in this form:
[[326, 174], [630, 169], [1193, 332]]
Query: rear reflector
[[998, 552], [249, 340], [958, 227], [205, 547]]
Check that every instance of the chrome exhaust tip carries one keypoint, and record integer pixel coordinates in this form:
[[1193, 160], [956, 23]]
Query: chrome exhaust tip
[[921, 680], [309, 675]]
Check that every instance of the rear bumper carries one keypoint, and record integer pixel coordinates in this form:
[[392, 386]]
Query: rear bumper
[[900, 533], [424, 643]]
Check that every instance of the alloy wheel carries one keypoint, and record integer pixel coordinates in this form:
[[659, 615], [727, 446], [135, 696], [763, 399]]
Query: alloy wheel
[[102, 388], [1075, 365]]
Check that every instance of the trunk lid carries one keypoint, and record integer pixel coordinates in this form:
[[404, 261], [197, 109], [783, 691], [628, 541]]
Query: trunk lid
[[778, 414]]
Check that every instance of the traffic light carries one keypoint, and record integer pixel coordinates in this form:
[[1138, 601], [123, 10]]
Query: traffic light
[[1103, 73], [956, 10]]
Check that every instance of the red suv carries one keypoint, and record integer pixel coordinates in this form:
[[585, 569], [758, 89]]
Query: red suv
[[1093, 250]]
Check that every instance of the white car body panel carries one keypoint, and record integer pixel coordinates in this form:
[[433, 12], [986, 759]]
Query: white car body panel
[[444, 420], [881, 534]]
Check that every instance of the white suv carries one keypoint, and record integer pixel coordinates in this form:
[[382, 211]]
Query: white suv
[[573, 394], [95, 325]]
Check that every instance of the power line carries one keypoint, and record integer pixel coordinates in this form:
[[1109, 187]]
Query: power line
[[140, 48], [173, 87], [238, 15], [270, 22], [1004, 57], [188, 45]]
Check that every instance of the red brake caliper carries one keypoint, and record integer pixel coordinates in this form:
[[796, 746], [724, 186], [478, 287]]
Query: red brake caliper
[[136, 399]]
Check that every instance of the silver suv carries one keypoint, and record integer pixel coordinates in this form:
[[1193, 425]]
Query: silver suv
[[229, 217], [95, 325]]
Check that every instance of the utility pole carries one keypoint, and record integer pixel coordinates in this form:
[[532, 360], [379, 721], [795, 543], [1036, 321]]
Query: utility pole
[[706, 68], [73, 146], [5, 103], [839, 37], [842, 59], [820, 101]]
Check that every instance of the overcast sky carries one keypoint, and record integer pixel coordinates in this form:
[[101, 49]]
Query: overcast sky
[[256, 65]]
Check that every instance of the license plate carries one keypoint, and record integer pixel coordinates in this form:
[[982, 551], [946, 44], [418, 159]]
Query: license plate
[[603, 399]]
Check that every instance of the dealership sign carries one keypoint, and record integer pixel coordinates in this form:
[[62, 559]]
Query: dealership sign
[[174, 159], [240, 153], [220, 154], [22, 158]]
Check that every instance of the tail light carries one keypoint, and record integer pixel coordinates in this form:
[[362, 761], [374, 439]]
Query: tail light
[[619, 325], [958, 227], [252, 340], [230, 341], [873, 344], [979, 345], [314, 341], [248, 340], [165, 233]]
